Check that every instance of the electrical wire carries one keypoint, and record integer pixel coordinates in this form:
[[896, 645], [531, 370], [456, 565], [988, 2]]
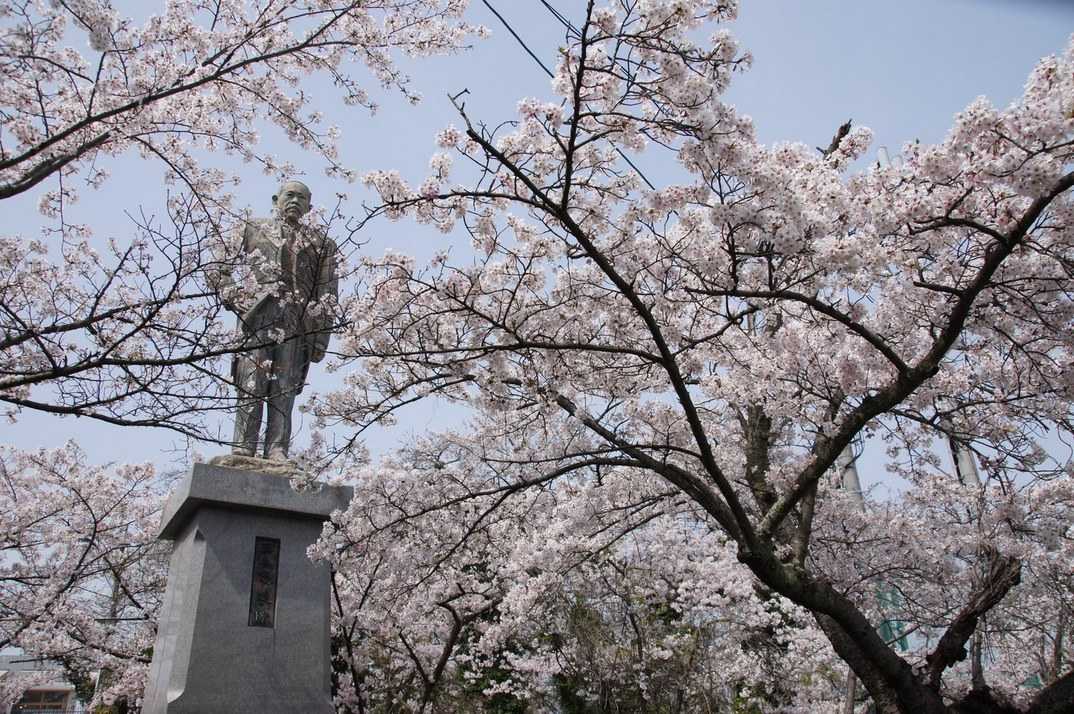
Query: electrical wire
[[520, 40], [547, 71], [562, 19]]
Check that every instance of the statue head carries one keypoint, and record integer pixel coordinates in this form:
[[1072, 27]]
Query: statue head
[[292, 201]]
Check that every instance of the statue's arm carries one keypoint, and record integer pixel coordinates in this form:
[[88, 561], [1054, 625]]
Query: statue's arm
[[330, 259], [327, 287], [222, 276]]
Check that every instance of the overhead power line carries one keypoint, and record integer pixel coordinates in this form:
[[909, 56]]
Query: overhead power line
[[562, 19], [520, 40], [547, 71]]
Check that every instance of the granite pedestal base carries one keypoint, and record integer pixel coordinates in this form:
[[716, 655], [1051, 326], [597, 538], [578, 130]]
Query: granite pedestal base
[[232, 638]]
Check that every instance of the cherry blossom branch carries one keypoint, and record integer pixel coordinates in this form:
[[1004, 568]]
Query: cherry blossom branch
[[818, 305], [828, 448], [1003, 573], [741, 523]]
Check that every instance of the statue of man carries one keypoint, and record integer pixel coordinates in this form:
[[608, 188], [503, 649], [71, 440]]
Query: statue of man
[[287, 321]]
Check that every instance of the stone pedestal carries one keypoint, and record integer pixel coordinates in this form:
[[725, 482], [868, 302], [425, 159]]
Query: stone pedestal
[[244, 625]]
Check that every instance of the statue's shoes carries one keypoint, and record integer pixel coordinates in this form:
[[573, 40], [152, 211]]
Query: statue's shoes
[[275, 467]]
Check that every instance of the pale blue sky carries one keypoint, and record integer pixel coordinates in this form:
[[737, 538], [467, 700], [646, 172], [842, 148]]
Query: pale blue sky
[[901, 68]]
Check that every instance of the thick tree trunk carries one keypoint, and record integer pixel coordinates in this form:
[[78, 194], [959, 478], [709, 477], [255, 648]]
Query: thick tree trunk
[[893, 685], [889, 679], [1058, 698], [883, 696]]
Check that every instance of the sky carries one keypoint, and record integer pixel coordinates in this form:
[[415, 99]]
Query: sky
[[901, 68]]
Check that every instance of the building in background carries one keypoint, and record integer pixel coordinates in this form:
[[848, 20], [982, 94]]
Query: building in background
[[50, 693]]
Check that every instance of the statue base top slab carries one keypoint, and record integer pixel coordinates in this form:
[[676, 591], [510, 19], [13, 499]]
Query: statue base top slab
[[244, 489]]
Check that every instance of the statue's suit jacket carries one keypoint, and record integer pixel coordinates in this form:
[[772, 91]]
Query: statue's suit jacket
[[297, 272]]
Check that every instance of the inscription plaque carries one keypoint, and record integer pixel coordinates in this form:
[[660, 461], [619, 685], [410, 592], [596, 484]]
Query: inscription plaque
[[263, 583]]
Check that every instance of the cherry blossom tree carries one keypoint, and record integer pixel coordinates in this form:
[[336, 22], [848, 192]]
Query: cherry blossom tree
[[683, 366], [572, 596], [128, 331], [82, 574]]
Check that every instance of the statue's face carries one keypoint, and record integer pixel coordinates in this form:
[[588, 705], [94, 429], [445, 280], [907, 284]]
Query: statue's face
[[293, 201]]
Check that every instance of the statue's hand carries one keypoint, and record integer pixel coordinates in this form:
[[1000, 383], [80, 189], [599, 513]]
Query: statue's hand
[[232, 300], [245, 298], [316, 347]]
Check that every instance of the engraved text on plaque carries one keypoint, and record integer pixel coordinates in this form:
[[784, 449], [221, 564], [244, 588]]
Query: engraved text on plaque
[[263, 585]]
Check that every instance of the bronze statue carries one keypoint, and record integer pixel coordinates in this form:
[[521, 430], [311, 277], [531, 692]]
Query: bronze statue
[[286, 323]]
